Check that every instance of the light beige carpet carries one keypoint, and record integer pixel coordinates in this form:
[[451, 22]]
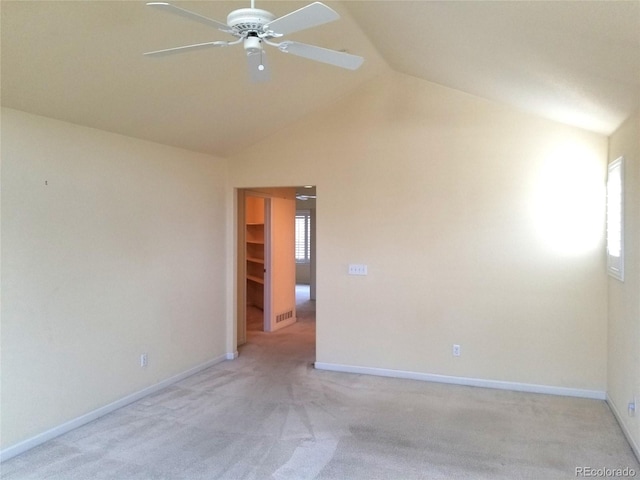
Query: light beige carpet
[[271, 415]]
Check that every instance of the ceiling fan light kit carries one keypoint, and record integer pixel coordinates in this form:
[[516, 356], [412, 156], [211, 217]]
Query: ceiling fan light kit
[[252, 45], [254, 27]]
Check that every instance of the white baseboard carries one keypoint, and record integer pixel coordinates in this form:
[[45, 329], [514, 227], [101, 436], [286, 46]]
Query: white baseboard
[[231, 355], [472, 382], [39, 439], [616, 413]]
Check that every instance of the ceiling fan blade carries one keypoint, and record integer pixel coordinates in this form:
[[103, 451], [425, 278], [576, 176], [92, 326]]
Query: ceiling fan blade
[[167, 7], [319, 54], [306, 17], [186, 48], [258, 68]]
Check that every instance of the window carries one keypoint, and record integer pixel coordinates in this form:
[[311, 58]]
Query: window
[[303, 236], [615, 219]]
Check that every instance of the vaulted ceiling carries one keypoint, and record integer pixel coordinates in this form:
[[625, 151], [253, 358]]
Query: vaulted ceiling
[[81, 61]]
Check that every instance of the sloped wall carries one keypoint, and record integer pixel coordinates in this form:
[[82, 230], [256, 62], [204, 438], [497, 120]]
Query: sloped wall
[[480, 225]]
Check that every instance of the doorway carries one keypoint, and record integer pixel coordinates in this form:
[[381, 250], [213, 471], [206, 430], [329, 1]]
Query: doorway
[[269, 289]]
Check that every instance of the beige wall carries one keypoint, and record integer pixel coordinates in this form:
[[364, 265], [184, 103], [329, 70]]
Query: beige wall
[[454, 204], [303, 273], [624, 297], [283, 263], [121, 252]]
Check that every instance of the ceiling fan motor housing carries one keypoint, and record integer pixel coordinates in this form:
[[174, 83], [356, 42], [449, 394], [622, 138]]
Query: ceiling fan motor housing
[[249, 20]]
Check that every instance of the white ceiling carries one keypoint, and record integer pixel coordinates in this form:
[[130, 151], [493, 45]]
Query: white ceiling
[[575, 62]]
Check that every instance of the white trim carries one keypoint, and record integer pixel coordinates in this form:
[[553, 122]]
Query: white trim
[[616, 413], [472, 382], [231, 355], [39, 439]]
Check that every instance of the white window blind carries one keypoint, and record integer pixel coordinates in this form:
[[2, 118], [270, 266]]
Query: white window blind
[[303, 236], [615, 219]]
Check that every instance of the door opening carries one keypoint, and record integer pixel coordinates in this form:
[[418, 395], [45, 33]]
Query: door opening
[[268, 265]]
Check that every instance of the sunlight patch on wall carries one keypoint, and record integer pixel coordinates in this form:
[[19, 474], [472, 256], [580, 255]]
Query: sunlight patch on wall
[[569, 201]]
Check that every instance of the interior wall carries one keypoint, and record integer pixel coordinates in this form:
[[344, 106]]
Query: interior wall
[[111, 247], [481, 226], [624, 297], [303, 273], [283, 263]]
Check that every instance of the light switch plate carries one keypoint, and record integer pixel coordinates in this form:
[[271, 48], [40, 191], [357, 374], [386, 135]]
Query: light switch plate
[[357, 269]]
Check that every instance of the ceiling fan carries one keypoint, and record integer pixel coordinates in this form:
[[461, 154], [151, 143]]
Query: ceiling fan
[[254, 27]]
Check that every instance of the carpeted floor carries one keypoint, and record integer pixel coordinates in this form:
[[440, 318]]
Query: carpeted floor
[[271, 415]]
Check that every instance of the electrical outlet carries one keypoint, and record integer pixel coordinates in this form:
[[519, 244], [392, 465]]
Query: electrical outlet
[[143, 359], [631, 409], [456, 350]]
